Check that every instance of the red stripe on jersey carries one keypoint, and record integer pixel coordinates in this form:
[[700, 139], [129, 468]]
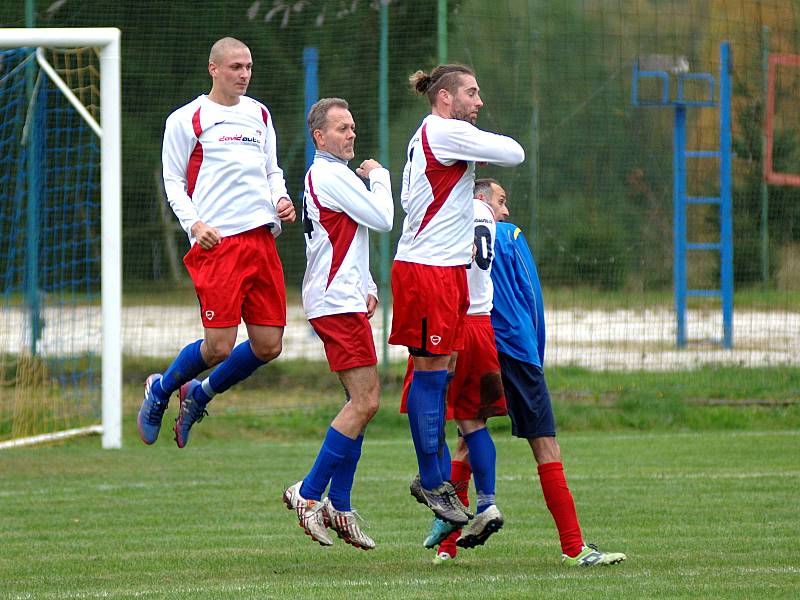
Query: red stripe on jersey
[[341, 231], [196, 158], [265, 116], [441, 177]]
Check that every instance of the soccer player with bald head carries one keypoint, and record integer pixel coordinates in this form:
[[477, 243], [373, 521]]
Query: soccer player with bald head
[[224, 184]]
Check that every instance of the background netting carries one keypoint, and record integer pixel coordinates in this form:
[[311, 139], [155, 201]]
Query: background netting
[[49, 246], [594, 195]]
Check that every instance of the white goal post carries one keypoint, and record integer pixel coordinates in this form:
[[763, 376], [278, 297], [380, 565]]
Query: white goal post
[[107, 40]]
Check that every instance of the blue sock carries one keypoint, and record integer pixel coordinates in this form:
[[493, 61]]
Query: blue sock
[[444, 460], [342, 479], [425, 419], [444, 450], [238, 366], [188, 364], [335, 447], [482, 456]]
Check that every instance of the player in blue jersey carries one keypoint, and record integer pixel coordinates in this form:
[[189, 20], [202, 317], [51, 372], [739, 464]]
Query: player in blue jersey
[[519, 325]]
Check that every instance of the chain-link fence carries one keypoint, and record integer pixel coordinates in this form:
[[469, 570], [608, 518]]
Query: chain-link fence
[[594, 195]]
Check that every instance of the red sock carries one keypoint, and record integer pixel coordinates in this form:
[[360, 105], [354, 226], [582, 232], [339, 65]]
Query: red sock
[[562, 507], [460, 472]]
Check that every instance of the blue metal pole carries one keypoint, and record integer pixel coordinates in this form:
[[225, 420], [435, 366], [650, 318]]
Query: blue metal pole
[[726, 204], [679, 222], [310, 67]]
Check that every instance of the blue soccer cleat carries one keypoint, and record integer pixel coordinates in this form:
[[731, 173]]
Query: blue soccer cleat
[[439, 531], [190, 412], [152, 411]]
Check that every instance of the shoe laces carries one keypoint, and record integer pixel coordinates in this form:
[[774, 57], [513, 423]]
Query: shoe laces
[[460, 486], [313, 510], [156, 412], [195, 411], [357, 517]]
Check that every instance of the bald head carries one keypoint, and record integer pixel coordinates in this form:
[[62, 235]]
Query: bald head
[[224, 46], [230, 65]]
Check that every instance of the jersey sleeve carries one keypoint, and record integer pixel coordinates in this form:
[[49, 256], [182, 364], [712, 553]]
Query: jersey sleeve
[[343, 190], [452, 139], [528, 280], [277, 184], [179, 141], [372, 287]]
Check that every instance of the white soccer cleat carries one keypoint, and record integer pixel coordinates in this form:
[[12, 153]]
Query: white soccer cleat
[[344, 523], [310, 514], [484, 525]]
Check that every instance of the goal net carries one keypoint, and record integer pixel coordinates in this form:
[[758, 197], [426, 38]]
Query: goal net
[[56, 219]]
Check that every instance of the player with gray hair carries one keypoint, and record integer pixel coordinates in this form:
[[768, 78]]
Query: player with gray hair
[[339, 297]]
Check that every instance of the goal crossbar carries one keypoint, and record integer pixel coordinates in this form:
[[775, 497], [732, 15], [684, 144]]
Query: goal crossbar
[[107, 39]]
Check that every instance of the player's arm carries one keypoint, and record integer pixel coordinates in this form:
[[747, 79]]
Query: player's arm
[[454, 140], [372, 296], [179, 141], [277, 184], [528, 280], [340, 189]]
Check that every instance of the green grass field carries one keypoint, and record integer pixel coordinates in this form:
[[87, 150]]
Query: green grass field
[[704, 508]]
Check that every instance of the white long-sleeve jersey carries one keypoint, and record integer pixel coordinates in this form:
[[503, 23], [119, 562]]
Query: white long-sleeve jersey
[[338, 212], [220, 166], [479, 271], [437, 188]]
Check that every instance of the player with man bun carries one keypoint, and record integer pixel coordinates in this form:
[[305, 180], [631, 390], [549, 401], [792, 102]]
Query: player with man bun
[[429, 281]]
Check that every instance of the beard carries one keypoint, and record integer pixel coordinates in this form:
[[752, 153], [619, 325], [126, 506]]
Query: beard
[[462, 113]]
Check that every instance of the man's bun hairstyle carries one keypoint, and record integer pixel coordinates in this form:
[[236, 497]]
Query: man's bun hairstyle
[[445, 77]]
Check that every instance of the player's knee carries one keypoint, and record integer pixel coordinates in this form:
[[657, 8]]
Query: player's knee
[[545, 449], [366, 406], [267, 351], [216, 352], [371, 406]]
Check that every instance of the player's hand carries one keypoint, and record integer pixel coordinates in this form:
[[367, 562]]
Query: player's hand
[[372, 303], [474, 252], [367, 166], [285, 210], [206, 236]]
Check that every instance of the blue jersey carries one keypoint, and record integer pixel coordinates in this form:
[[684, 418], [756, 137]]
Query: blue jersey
[[518, 313]]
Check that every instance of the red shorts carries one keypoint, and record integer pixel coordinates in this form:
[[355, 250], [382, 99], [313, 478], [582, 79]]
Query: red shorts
[[347, 338], [241, 278], [476, 390], [430, 304]]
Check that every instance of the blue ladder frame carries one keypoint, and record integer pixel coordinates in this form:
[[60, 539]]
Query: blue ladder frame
[[681, 201]]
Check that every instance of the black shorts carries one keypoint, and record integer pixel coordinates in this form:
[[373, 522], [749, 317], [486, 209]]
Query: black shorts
[[527, 398]]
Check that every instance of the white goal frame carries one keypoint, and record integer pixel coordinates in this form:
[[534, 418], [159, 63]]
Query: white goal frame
[[107, 39]]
